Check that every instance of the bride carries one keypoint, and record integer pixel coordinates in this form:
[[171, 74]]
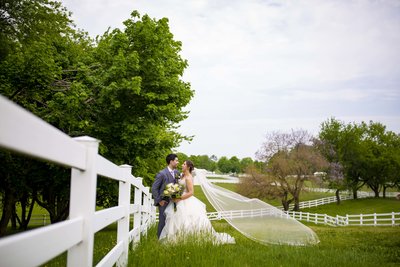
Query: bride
[[190, 218]]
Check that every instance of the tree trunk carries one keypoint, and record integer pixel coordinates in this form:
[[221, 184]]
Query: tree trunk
[[296, 201], [337, 196], [25, 218], [376, 192], [355, 193], [8, 204], [285, 205], [384, 192], [285, 201], [14, 219]]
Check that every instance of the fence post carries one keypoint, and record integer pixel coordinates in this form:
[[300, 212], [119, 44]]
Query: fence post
[[375, 219], [393, 220], [361, 219], [138, 214], [123, 224], [83, 204], [147, 207]]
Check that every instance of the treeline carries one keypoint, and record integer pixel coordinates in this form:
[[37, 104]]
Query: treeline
[[224, 165], [124, 88], [344, 156]]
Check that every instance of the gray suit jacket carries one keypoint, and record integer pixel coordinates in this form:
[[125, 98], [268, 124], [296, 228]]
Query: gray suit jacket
[[163, 178]]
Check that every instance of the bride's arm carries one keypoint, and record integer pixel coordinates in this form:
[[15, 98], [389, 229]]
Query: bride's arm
[[190, 188]]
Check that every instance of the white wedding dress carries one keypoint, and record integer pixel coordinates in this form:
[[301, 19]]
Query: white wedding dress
[[190, 221]]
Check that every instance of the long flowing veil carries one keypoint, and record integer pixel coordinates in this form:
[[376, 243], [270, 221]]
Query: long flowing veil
[[254, 218]]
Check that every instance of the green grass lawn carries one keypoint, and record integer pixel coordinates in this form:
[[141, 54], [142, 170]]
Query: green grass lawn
[[339, 246], [104, 241], [217, 178], [358, 206], [346, 246]]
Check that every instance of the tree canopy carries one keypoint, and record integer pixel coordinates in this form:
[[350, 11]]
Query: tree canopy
[[367, 154], [125, 88]]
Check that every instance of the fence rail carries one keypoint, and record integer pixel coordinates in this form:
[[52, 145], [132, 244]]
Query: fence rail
[[25, 133], [376, 219], [332, 199]]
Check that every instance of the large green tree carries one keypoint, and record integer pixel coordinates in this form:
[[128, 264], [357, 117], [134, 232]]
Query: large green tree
[[37, 46], [124, 89], [139, 95], [367, 153], [381, 165]]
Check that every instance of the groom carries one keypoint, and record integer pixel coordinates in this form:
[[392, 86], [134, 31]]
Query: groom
[[163, 178]]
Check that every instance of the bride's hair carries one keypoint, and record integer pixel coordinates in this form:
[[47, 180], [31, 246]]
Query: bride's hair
[[190, 165]]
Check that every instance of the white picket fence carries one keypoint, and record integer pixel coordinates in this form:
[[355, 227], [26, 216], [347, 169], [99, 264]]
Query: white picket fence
[[25, 133], [382, 219]]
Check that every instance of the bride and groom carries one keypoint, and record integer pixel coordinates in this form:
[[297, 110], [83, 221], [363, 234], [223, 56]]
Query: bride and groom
[[185, 216]]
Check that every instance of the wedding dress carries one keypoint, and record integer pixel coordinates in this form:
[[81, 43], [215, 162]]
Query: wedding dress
[[190, 221]]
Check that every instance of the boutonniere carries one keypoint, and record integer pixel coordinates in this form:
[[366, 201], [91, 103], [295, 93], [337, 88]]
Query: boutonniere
[[177, 176]]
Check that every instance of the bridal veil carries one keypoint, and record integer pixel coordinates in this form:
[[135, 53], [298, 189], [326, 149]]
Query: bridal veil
[[254, 218]]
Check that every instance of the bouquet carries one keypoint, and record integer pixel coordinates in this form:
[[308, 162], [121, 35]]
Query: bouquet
[[173, 190]]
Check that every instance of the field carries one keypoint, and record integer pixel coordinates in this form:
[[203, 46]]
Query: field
[[339, 246]]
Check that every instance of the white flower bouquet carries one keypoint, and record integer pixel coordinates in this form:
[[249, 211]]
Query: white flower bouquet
[[173, 190]]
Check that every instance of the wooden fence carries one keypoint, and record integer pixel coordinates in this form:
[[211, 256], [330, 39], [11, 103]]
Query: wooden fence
[[25, 133]]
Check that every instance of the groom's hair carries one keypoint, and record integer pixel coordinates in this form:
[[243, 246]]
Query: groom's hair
[[170, 157]]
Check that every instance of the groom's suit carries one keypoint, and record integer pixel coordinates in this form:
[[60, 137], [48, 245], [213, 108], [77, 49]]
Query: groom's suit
[[163, 178]]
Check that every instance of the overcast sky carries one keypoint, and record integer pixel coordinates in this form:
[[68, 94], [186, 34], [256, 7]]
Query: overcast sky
[[262, 66]]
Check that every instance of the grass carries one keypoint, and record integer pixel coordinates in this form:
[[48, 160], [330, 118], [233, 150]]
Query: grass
[[104, 241], [350, 246], [339, 246], [217, 178], [358, 206]]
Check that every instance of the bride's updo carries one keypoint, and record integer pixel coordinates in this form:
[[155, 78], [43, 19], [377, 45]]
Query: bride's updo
[[190, 165]]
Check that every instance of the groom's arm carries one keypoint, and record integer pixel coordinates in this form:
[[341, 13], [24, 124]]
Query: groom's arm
[[155, 188]]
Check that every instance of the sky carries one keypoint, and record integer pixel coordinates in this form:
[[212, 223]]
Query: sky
[[260, 66]]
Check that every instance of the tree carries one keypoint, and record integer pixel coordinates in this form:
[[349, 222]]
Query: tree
[[224, 165], [125, 89], [291, 159], [235, 165], [381, 159], [38, 43], [367, 153], [245, 163], [259, 185], [341, 145], [140, 95], [335, 179]]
